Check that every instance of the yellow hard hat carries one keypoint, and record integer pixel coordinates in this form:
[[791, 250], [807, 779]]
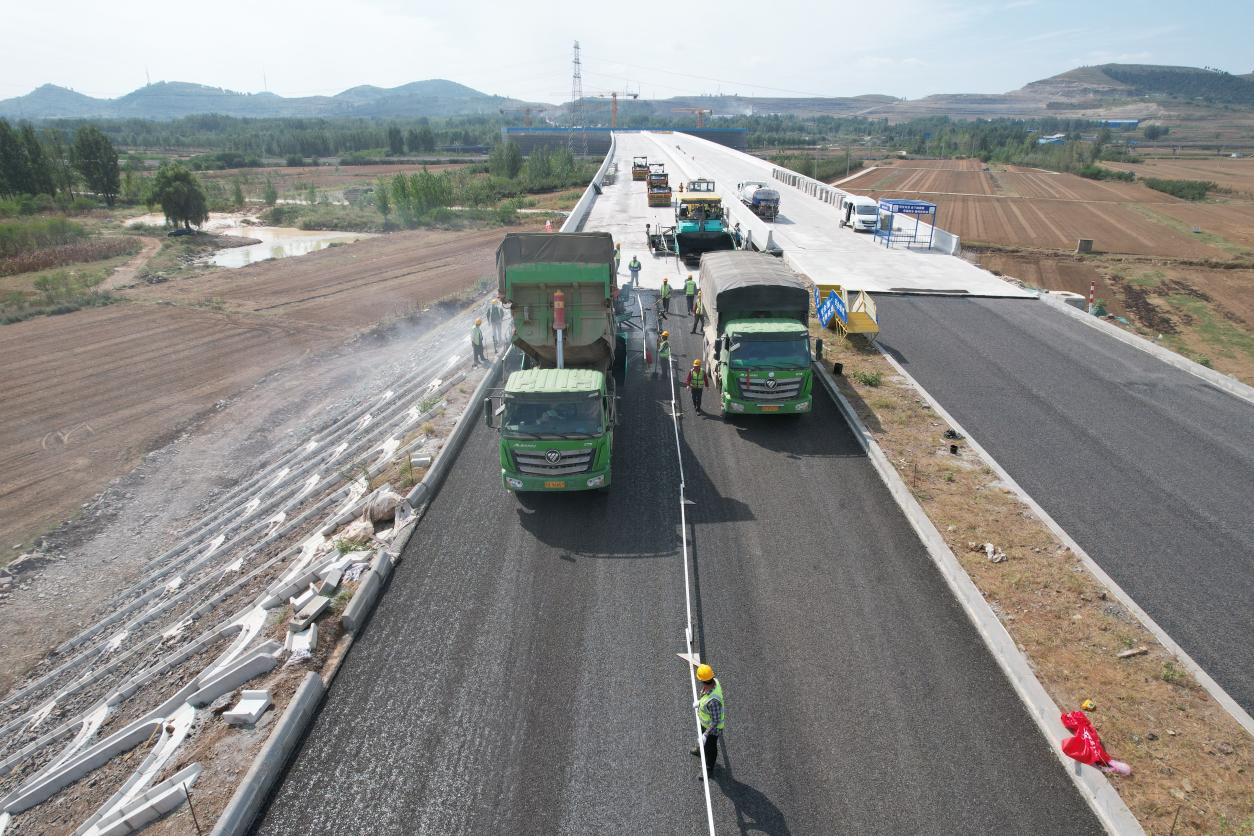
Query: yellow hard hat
[[696, 362], [666, 279], [666, 333], [705, 673], [478, 321], [690, 275]]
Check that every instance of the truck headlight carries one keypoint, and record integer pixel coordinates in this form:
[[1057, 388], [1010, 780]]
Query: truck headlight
[[596, 481], [736, 406], [516, 484], [804, 406]]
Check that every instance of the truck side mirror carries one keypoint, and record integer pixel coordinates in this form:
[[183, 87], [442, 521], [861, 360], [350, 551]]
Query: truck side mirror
[[489, 414]]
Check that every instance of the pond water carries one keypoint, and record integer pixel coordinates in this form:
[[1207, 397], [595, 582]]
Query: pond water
[[276, 241]]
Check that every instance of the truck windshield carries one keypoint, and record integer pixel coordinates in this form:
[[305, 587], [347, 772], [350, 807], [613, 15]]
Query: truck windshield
[[759, 353], [552, 418], [868, 210]]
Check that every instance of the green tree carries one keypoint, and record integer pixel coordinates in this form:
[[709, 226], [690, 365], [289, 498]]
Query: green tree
[[270, 194], [426, 139], [412, 141], [97, 160], [383, 199], [396, 142], [505, 161], [39, 171], [237, 193], [180, 196], [60, 165]]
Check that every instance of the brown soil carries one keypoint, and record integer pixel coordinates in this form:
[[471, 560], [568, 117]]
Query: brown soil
[[1188, 756], [128, 273], [349, 287], [1199, 310]]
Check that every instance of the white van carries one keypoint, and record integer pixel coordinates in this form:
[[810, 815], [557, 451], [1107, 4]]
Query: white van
[[859, 213]]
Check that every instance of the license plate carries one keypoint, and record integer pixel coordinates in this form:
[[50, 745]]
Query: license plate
[[555, 484], [770, 409]]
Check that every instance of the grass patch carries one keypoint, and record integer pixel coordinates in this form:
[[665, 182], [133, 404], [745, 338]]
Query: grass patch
[[53, 292], [1220, 335], [1180, 226], [868, 378]]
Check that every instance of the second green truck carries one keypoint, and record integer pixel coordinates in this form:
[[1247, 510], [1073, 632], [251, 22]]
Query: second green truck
[[757, 339]]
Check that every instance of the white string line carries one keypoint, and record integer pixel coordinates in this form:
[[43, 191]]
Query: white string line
[[683, 531]]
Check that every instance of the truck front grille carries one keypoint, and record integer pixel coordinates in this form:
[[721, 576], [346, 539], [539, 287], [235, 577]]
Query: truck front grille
[[566, 462], [758, 389]]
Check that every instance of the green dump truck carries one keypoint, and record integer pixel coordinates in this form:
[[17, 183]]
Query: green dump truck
[[757, 338], [556, 415]]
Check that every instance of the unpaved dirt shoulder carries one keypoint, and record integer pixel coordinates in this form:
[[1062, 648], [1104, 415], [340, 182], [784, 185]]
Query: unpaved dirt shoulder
[[1188, 756]]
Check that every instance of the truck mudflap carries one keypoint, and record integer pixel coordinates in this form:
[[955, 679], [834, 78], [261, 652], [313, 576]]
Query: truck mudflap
[[589, 481]]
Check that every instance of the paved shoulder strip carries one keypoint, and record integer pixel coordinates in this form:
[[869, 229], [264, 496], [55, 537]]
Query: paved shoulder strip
[[1092, 785]]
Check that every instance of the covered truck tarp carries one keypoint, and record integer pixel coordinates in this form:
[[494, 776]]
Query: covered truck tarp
[[587, 249], [751, 285]]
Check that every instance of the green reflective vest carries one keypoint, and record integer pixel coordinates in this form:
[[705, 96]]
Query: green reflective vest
[[664, 349], [698, 378], [666, 290], [703, 712], [690, 287], [476, 335], [634, 265], [698, 308]]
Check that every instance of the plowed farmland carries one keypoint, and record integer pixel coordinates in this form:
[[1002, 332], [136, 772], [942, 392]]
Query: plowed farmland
[[1023, 207], [1236, 174], [88, 393]]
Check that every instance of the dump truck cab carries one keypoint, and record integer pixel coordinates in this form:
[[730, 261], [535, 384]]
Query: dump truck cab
[[757, 339], [639, 168]]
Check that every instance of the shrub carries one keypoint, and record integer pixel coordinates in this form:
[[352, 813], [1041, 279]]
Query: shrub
[[23, 236], [96, 249], [1186, 189], [868, 378], [1097, 172]]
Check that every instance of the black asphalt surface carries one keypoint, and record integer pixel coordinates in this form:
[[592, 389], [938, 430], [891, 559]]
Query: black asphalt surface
[[1150, 469], [519, 675]]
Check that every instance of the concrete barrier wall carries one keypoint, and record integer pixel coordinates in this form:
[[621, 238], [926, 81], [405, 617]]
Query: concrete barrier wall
[[580, 213]]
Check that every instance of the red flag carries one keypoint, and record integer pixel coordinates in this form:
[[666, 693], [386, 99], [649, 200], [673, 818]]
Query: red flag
[[1084, 746]]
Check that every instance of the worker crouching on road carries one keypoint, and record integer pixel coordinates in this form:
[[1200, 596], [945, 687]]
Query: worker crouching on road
[[476, 343], [696, 382], [712, 712]]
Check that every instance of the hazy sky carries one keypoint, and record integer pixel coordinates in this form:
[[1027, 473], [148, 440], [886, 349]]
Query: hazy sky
[[905, 48]]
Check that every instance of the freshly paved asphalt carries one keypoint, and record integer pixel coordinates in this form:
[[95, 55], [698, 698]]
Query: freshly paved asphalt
[[1150, 469], [519, 674]]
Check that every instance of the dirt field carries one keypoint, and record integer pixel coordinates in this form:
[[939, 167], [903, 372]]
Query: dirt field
[[1023, 207], [1235, 174], [1204, 313], [88, 393]]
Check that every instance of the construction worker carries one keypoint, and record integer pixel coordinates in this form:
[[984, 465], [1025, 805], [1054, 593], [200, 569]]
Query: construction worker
[[698, 314], [476, 343], [496, 319], [618, 257], [663, 352], [712, 712], [666, 295], [696, 382], [736, 234], [633, 267], [690, 292]]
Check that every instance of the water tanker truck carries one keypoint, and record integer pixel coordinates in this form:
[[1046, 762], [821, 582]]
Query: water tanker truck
[[757, 339], [762, 200], [556, 415]]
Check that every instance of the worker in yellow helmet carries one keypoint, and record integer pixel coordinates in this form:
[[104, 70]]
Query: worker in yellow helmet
[[712, 713], [696, 383], [690, 292], [476, 343], [663, 353]]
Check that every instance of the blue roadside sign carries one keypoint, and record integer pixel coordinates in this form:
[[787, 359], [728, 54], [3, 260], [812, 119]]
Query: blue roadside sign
[[832, 306]]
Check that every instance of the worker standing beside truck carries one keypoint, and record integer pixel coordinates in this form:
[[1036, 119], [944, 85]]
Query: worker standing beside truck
[[633, 267], [690, 292], [476, 343], [696, 383], [698, 315], [496, 319]]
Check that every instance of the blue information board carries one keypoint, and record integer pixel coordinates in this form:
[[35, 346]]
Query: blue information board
[[832, 306]]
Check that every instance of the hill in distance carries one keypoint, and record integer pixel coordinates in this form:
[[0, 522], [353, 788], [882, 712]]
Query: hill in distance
[[173, 99], [1107, 90]]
